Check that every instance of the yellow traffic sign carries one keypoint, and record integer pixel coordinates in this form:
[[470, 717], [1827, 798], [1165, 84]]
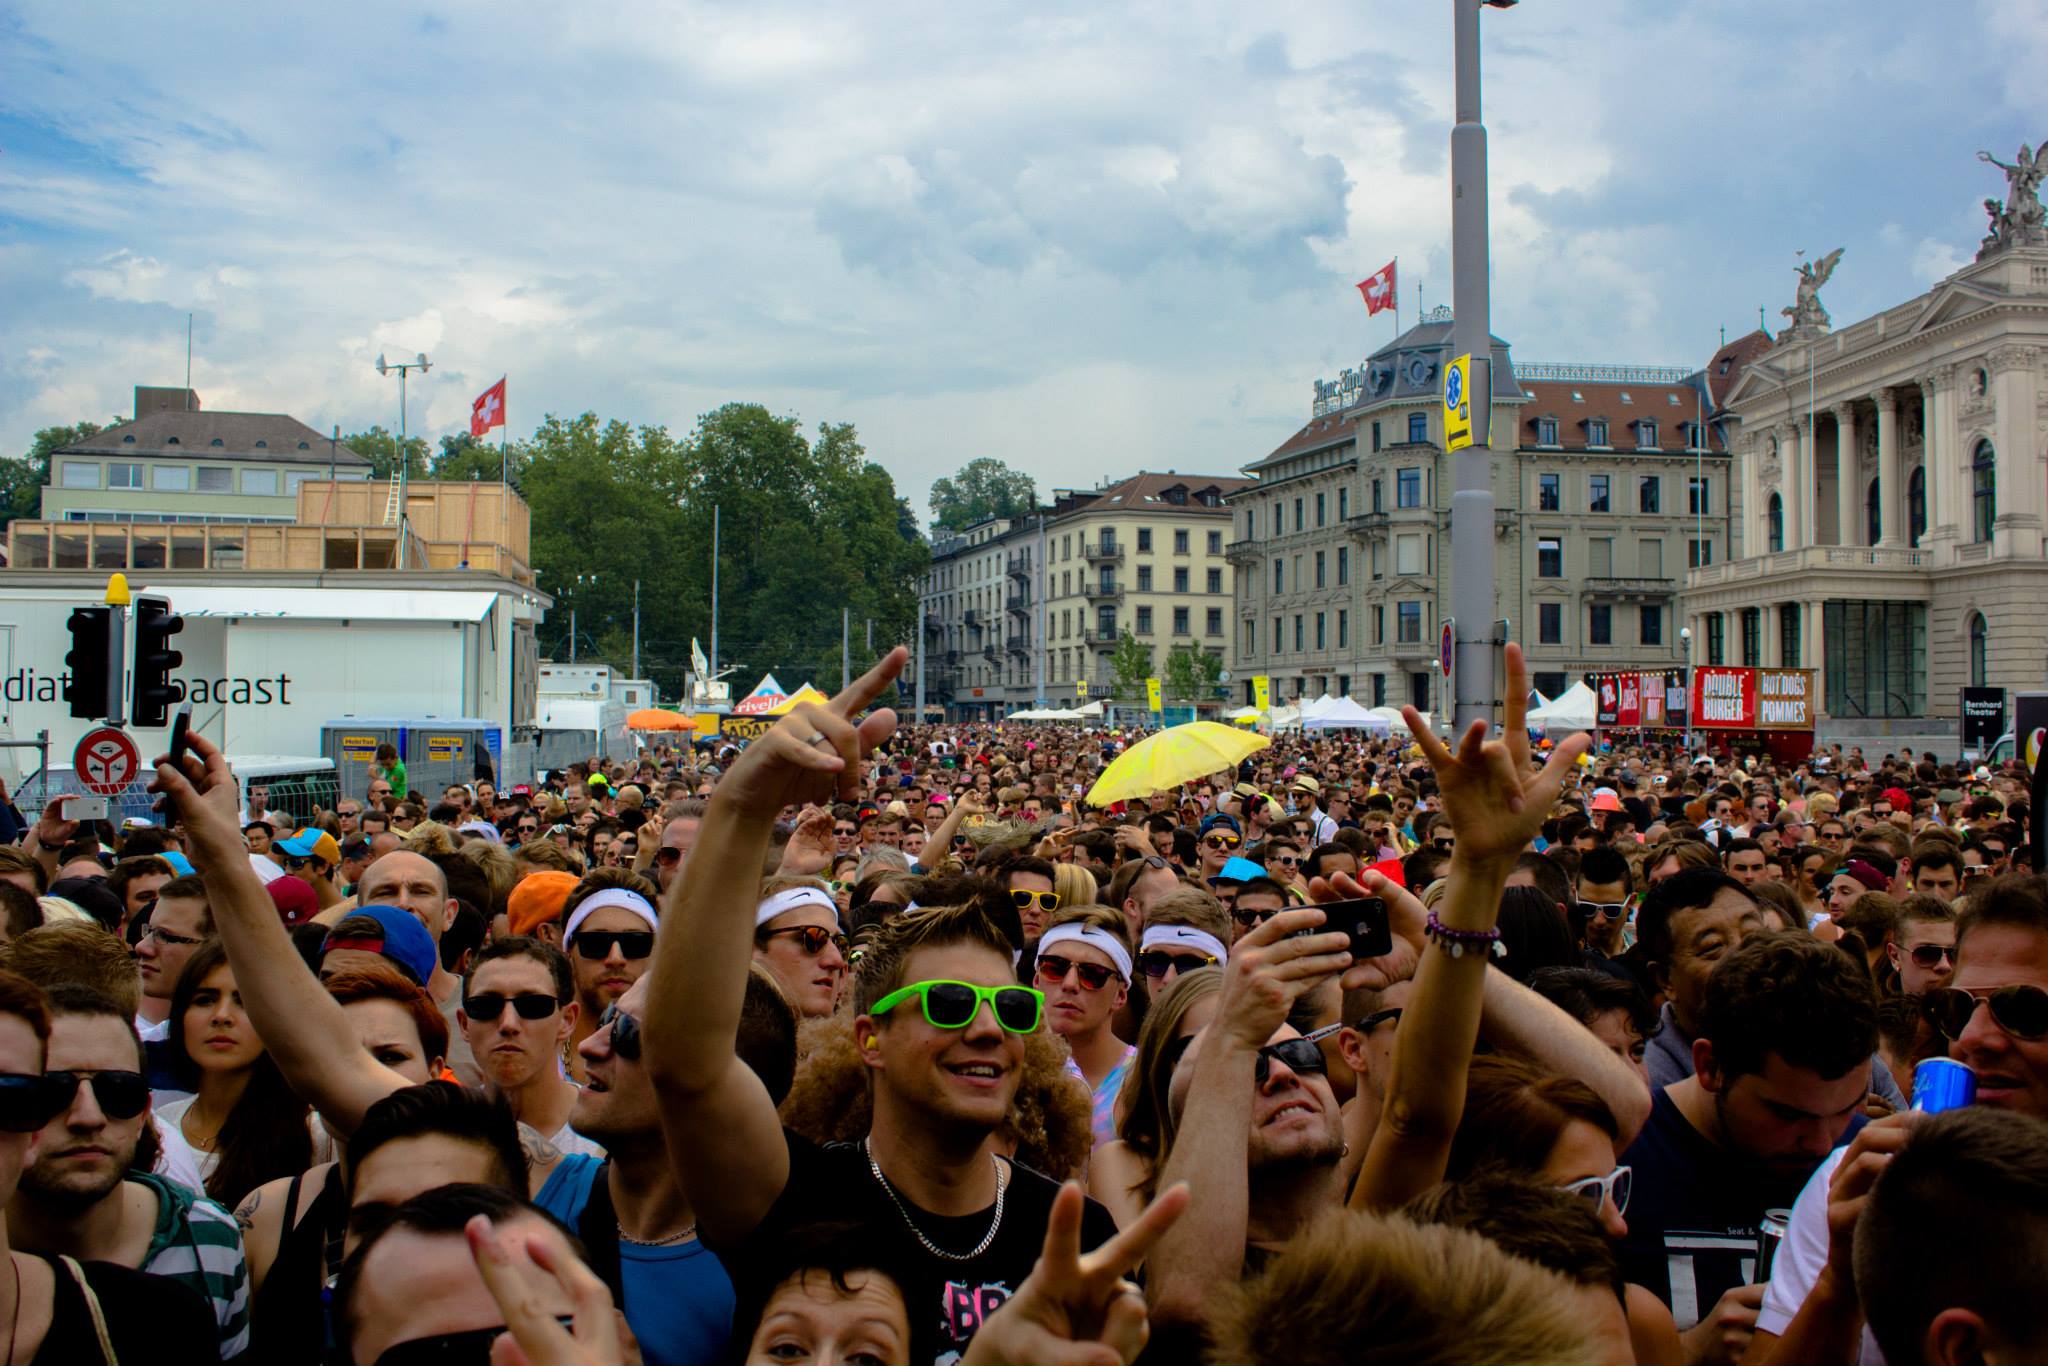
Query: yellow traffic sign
[[1458, 403]]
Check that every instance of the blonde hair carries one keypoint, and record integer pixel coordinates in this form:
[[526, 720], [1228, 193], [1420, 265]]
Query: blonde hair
[[77, 951], [1193, 907], [496, 861], [1075, 885], [1362, 1287], [429, 838]]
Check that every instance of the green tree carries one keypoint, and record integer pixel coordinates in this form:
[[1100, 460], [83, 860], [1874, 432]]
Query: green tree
[[463, 458], [1191, 674], [984, 487], [380, 448], [22, 477], [1131, 664]]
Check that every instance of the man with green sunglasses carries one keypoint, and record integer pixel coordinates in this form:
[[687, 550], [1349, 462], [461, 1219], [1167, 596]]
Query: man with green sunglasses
[[939, 1022]]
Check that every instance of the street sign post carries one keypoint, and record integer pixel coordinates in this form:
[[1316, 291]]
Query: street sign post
[[106, 761], [1458, 404], [1447, 648]]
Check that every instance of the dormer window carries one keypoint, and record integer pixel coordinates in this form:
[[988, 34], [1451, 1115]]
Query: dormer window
[[171, 441], [128, 440], [302, 445], [265, 445], [1646, 434], [1626, 398], [216, 442], [1596, 431], [1546, 431]]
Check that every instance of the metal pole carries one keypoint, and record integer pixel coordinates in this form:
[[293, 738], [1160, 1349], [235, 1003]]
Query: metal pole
[[1039, 587], [714, 590], [1472, 564], [636, 628], [919, 633], [572, 635], [845, 647], [402, 370]]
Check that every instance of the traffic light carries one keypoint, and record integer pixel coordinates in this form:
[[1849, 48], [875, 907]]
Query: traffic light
[[155, 693], [87, 663]]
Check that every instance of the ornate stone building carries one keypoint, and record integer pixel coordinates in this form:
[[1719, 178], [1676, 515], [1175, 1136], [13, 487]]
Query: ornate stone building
[[1892, 492]]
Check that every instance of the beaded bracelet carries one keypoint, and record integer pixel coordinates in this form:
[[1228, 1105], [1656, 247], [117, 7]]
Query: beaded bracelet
[[1456, 942]]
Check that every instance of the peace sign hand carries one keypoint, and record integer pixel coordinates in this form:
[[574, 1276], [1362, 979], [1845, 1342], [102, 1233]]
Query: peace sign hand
[[814, 753], [1075, 1309], [1495, 803]]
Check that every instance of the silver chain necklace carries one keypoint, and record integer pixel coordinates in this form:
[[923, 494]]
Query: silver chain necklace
[[666, 1239], [867, 1146]]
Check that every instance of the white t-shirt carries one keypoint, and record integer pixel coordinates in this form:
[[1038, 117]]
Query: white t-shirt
[[569, 1142], [152, 1033], [1801, 1256], [190, 1166]]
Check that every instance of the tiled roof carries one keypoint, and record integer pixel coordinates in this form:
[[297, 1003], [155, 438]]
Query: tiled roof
[[202, 435], [1149, 492], [1575, 402], [1728, 363], [1318, 432]]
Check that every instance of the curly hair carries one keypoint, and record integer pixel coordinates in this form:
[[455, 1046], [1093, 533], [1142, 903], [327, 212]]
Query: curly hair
[[1046, 1128]]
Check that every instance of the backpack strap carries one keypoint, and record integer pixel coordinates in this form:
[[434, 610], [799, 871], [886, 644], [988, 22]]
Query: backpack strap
[[92, 1306]]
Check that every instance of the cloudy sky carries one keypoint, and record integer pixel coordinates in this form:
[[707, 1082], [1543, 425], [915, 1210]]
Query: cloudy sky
[[1081, 238]]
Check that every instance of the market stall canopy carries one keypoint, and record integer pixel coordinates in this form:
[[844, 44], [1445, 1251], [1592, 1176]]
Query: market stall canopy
[[1574, 709], [805, 694], [1345, 714], [1093, 709], [1176, 755], [766, 694], [1395, 721], [658, 718]]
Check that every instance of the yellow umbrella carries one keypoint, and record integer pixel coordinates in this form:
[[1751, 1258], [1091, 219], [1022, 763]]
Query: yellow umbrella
[[1178, 755], [659, 718]]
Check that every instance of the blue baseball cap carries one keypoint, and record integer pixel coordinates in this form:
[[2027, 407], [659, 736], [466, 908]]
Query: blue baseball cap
[[404, 941], [1237, 870], [180, 865], [1216, 818]]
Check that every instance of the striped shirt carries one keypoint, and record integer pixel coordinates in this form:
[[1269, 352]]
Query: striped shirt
[[198, 1244]]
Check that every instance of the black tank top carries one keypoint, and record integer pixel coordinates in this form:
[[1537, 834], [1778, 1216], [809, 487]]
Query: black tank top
[[287, 1324]]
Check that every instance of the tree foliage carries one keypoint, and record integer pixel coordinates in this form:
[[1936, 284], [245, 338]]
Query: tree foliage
[[22, 477], [984, 487], [1131, 664], [1191, 674], [380, 448]]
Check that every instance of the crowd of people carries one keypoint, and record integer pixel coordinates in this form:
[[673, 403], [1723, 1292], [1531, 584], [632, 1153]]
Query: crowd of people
[[876, 1043]]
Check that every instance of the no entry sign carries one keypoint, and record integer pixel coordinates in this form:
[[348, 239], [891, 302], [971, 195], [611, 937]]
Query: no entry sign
[[106, 761]]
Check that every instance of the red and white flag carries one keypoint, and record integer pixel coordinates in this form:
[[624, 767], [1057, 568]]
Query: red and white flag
[[488, 411], [1378, 289]]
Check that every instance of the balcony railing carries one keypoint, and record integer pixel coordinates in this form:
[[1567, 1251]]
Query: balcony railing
[[1808, 559], [1242, 552], [1104, 552], [972, 619], [1104, 592], [1018, 603], [1020, 567], [1608, 587], [1101, 640], [1017, 645]]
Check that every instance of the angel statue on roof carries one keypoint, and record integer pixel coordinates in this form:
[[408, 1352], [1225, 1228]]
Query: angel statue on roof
[[1805, 311]]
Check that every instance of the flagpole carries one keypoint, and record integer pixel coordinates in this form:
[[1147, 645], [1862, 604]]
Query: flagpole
[[505, 448], [1397, 304]]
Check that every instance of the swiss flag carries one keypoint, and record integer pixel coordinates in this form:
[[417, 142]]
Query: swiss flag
[[488, 411], [1378, 289]]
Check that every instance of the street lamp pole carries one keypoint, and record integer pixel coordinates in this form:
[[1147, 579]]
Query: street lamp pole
[[418, 362], [1685, 639], [1472, 556]]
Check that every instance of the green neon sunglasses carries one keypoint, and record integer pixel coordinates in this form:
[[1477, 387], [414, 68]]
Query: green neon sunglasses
[[953, 1005]]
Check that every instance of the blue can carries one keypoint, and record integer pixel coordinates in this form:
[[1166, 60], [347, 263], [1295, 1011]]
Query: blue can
[[1943, 1084]]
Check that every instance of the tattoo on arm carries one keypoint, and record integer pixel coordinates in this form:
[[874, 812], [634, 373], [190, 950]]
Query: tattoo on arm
[[539, 1152], [245, 1213]]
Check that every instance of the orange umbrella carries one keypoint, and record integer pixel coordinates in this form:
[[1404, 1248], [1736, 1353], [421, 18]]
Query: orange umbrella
[[659, 718]]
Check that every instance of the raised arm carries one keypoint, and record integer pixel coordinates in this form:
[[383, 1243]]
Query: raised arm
[[941, 842], [722, 1131], [1489, 790], [302, 1027], [1519, 1019]]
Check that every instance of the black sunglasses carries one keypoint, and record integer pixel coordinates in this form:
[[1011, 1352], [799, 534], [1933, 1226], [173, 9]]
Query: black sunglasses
[[471, 1347], [1300, 1055], [814, 938], [625, 1032], [1158, 962], [596, 945], [28, 1101], [1932, 955], [668, 855], [2021, 1011], [1053, 967], [120, 1095], [490, 1005]]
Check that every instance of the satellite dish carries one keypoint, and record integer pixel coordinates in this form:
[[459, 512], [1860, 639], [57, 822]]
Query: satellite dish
[[381, 367]]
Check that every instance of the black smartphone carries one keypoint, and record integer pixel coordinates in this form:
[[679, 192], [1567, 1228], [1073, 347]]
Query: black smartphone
[[1365, 920], [181, 733]]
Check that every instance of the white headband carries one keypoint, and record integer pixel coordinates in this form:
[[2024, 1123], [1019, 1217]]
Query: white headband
[[611, 896], [1186, 936], [1094, 938], [784, 902]]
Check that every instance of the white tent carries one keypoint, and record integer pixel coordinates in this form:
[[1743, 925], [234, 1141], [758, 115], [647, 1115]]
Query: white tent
[[1093, 710], [1244, 714], [1395, 722], [1574, 709], [1284, 717], [1345, 714]]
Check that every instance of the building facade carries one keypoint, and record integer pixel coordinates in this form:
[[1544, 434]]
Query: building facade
[[1019, 610], [1605, 479], [176, 462], [1890, 514]]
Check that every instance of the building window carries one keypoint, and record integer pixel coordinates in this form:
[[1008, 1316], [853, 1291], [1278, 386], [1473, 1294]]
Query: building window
[[1699, 496], [1375, 435], [1105, 623], [1322, 641], [1649, 493], [262, 482], [1774, 517], [1212, 622], [172, 478], [1251, 637], [1717, 638], [1979, 651], [1600, 497], [1215, 543], [1279, 641], [1596, 431], [1297, 633], [1550, 623], [1651, 618], [1144, 578], [1215, 580], [124, 476], [1600, 558], [1343, 502], [1379, 690], [1549, 493], [1180, 621], [1377, 506], [1180, 579], [1916, 506], [1873, 516], [1788, 635], [1144, 621], [1408, 555], [1279, 575], [1144, 540], [79, 474], [1546, 431], [1549, 558], [1343, 629], [1983, 489], [1699, 554], [1279, 522], [1752, 636], [1379, 624], [1600, 626], [1319, 569], [1408, 487], [1408, 623], [1646, 434], [1876, 658], [1319, 509], [1650, 559], [1343, 565]]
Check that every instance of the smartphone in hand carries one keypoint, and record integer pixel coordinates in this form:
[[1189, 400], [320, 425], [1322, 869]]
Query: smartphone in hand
[[1364, 919], [181, 735]]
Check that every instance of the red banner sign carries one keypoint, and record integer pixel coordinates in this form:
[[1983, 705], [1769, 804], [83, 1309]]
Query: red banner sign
[[1753, 699]]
